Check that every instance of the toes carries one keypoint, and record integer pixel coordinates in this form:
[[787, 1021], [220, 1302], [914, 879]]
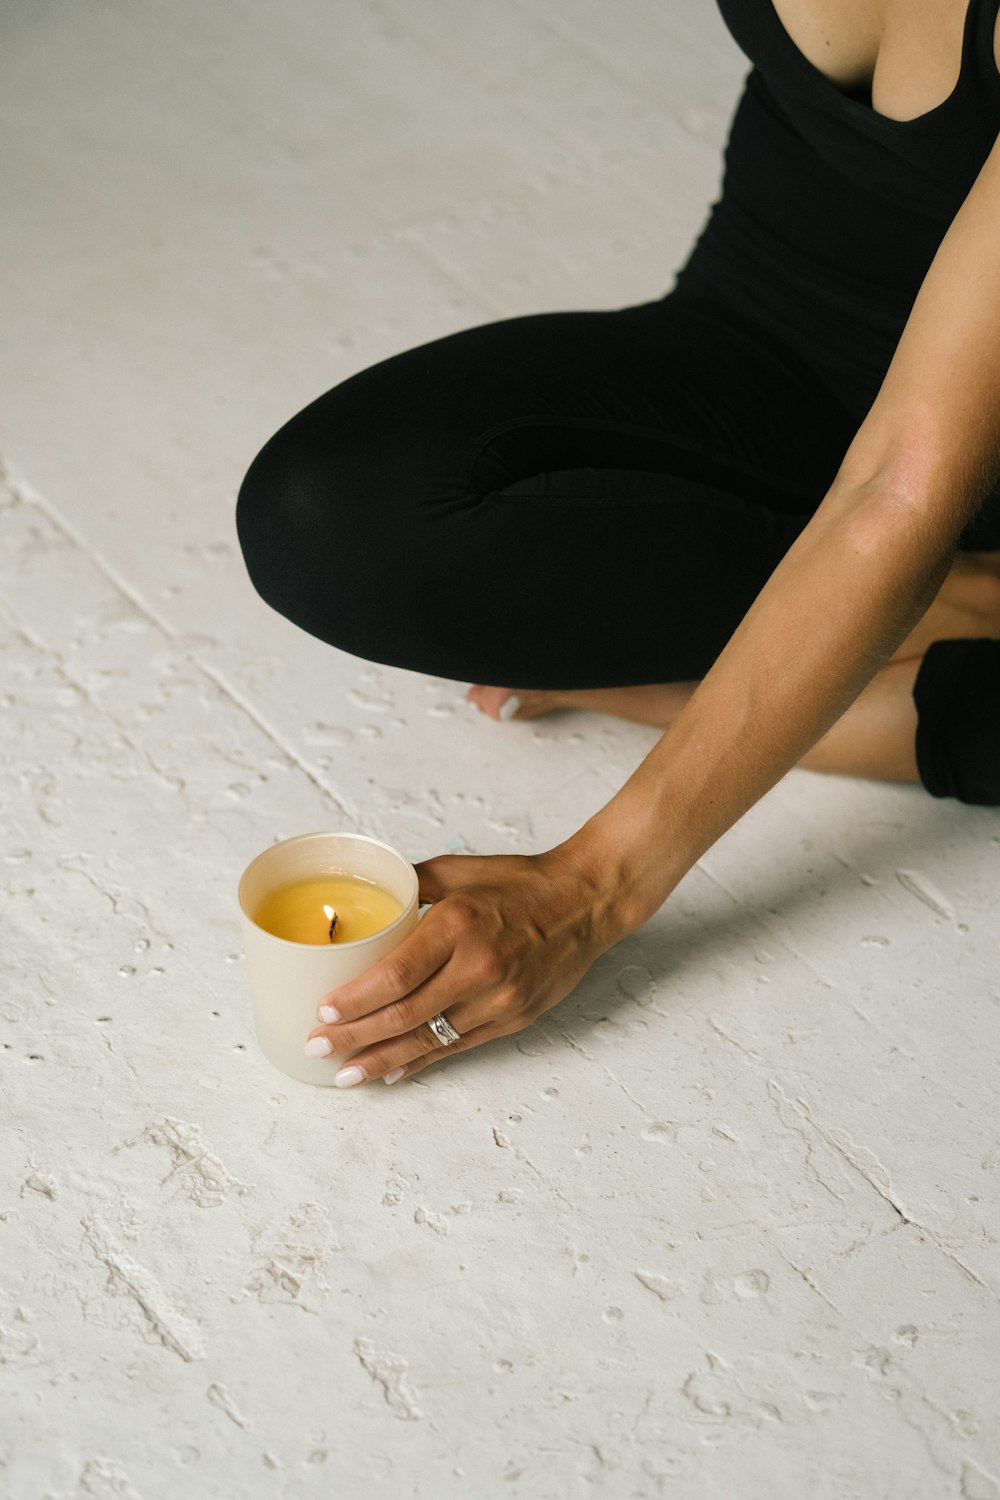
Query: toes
[[491, 700], [508, 703]]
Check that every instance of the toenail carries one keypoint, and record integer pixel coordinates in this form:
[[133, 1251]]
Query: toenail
[[510, 707]]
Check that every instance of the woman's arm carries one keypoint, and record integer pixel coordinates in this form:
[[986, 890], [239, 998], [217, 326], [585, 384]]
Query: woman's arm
[[508, 936], [845, 595]]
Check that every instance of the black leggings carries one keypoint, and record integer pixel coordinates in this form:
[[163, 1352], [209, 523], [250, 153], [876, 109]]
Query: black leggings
[[558, 500]]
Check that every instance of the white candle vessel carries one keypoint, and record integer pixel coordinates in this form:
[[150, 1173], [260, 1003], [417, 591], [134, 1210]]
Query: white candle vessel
[[288, 979]]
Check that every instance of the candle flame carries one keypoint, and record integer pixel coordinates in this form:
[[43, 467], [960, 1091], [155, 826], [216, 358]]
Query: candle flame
[[329, 913]]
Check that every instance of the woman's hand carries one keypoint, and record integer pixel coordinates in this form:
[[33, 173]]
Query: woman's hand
[[507, 937]]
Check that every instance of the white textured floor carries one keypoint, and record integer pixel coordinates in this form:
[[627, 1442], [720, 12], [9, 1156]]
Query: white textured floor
[[722, 1224]]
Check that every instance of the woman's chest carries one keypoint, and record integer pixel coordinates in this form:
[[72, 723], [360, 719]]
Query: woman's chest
[[908, 52]]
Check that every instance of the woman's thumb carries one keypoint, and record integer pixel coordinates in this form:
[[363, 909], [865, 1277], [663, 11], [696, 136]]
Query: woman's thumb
[[442, 874]]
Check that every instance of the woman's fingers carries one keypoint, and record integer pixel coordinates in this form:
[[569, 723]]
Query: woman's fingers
[[404, 1051], [416, 1065], [411, 962], [420, 954], [506, 937], [409, 1054], [393, 996], [386, 1010]]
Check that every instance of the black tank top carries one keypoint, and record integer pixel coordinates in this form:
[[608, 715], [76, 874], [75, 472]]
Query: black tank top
[[830, 213]]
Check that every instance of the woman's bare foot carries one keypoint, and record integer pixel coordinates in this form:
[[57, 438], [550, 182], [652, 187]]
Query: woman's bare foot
[[874, 738], [966, 607], [655, 703]]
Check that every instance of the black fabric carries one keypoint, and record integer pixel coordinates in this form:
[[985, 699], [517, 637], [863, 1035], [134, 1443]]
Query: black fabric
[[559, 500], [594, 498], [957, 694]]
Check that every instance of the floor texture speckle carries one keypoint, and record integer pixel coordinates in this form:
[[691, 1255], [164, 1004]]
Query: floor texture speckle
[[723, 1225]]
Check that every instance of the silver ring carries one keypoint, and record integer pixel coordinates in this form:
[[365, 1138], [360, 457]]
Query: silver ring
[[442, 1029]]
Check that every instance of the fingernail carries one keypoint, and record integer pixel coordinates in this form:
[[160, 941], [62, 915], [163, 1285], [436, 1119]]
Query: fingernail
[[393, 1074], [327, 1013], [318, 1046], [510, 707], [347, 1076]]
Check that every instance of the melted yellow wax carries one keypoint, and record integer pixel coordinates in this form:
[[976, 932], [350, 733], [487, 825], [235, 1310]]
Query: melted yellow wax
[[295, 910]]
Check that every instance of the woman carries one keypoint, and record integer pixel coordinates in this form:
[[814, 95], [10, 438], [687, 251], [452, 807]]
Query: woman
[[762, 512]]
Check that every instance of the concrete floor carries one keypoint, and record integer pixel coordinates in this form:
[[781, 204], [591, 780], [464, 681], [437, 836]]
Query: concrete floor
[[723, 1223]]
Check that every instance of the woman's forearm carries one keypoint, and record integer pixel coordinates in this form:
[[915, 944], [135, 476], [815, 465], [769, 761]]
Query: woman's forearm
[[841, 601]]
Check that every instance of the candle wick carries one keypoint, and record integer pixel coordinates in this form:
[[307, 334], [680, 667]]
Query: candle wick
[[333, 924]]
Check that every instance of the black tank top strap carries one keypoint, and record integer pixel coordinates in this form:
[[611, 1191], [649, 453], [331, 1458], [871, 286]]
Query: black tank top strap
[[981, 76]]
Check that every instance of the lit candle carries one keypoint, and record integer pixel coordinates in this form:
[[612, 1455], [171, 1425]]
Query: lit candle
[[301, 910], [316, 910]]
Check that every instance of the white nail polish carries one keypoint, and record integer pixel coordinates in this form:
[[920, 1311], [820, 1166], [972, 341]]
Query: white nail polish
[[347, 1076], [328, 1014], [510, 707], [393, 1074], [318, 1046]]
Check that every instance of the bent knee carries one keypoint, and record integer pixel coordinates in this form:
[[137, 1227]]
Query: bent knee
[[345, 539]]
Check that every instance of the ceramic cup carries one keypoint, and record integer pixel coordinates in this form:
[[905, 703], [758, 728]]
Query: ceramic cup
[[288, 979]]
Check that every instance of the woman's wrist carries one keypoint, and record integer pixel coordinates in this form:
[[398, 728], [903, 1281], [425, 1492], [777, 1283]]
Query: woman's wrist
[[623, 864]]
